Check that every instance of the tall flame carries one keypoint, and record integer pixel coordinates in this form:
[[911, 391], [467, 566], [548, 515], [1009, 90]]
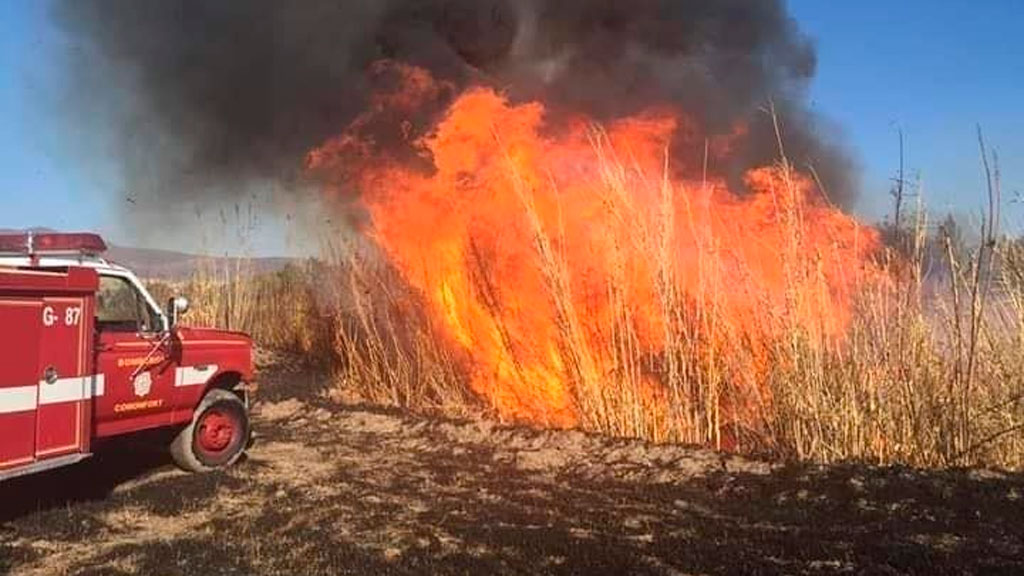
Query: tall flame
[[558, 257]]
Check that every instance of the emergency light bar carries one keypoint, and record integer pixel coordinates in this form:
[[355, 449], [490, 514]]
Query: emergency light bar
[[32, 244]]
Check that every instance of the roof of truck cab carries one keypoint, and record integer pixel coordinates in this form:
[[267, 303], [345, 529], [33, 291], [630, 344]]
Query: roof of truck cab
[[94, 262]]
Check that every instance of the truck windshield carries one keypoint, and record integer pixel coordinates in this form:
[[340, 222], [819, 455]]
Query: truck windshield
[[120, 307]]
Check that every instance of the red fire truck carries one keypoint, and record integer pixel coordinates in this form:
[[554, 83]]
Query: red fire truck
[[86, 355]]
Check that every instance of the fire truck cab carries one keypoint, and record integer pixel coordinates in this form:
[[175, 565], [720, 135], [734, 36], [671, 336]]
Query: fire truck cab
[[87, 355]]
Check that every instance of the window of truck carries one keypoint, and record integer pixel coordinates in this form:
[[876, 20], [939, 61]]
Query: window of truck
[[121, 308]]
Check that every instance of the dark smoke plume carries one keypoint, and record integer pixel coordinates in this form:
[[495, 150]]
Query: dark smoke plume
[[204, 97]]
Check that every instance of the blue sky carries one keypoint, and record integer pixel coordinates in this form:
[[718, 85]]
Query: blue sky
[[934, 68], [39, 184]]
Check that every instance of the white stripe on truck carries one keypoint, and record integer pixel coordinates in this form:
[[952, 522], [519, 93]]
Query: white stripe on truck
[[21, 399], [194, 375], [27, 398], [71, 389]]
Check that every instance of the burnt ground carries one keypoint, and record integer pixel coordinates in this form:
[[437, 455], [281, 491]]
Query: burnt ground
[[330, 490]]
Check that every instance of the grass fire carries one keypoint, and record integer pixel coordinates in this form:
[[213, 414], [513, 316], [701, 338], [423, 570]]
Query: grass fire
[[511, 286], [582, 279]]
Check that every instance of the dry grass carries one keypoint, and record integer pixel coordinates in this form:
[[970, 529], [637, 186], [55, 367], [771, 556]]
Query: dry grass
[[282, 310], [348, 312], [930, 374], [386, 348]]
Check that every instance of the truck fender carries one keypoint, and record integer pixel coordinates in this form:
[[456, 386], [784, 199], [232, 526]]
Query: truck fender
[[232, 382]]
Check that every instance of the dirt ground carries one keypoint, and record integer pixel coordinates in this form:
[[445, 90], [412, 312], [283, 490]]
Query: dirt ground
[[354, 490]]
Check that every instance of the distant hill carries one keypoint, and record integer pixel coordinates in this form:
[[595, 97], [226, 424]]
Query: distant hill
[[166, 264], [169, 264]]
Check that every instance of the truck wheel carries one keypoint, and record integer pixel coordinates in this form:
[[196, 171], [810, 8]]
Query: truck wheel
[[217, 435]]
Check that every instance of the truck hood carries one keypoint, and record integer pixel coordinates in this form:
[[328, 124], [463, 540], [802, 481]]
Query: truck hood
[[211, 336], [228, 351]]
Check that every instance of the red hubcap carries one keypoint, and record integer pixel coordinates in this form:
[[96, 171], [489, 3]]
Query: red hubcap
[[216, 430]]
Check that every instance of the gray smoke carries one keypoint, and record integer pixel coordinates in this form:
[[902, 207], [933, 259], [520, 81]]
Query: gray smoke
[[204, 98]]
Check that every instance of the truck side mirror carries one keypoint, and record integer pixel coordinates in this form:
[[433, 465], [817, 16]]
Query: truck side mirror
[[176, 307]]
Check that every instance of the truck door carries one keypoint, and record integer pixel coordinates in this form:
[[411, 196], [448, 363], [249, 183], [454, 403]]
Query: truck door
[[64, 377], [19, 377], [135, 359]]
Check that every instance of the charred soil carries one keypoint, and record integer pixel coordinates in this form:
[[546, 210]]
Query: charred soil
[[332, 490]]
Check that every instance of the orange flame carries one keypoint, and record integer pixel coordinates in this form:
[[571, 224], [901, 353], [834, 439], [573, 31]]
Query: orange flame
[[544, 252]]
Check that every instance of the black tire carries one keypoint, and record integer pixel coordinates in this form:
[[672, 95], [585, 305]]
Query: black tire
[[216, 437]]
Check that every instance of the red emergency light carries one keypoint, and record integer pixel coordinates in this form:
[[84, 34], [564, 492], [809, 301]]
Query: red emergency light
[[32, 244]]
